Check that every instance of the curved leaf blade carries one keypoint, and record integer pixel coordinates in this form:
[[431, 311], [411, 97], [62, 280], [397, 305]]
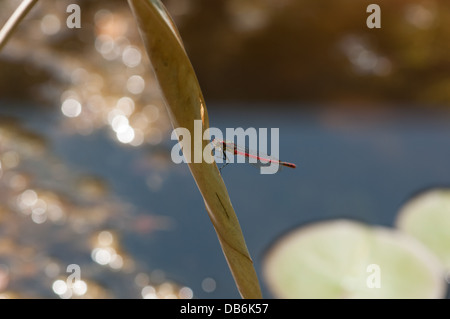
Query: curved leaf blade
[[185, 104]]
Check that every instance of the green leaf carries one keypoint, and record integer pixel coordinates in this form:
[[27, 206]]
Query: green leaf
[[185, 103], [345, 259], [427, 217]]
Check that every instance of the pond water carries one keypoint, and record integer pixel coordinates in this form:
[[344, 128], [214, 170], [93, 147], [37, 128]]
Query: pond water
[[358, 164]]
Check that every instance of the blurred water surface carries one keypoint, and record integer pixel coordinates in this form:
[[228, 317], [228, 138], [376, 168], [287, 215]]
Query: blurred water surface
[[352, 163]]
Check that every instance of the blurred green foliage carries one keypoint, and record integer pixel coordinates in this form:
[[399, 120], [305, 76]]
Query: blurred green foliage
[[316, 51], [321, 51]]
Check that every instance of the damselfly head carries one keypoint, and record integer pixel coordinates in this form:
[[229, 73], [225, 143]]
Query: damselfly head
[[218, 143]]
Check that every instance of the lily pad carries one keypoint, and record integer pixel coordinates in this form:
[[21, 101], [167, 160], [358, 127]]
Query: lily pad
[[346, 259], [427, 217]]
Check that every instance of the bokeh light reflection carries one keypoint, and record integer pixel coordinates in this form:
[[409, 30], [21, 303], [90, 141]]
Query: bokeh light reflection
[[50, 24], [71, 108], [104, 85]]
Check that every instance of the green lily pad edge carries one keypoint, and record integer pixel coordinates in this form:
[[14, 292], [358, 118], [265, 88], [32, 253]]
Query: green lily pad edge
[[347, 259]]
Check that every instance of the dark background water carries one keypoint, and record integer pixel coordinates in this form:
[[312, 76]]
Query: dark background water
[[357, 164]]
